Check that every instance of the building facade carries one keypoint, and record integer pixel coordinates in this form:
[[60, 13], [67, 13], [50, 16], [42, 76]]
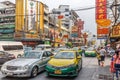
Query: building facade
[[7, 20]]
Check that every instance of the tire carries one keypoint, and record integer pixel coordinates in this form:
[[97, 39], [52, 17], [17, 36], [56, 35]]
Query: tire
[[34, 72], [81, 65]]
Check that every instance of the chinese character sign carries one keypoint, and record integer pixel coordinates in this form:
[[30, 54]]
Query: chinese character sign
[[101, 9]]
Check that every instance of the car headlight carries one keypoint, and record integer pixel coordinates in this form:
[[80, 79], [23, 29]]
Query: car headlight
[[23, 67], [4, 67], [49, 65]]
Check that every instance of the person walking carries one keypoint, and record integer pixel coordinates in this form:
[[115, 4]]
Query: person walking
[[116, 62], [98, 56], [102, 52]]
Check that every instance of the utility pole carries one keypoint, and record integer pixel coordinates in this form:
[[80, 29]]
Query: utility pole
[[54, 30]]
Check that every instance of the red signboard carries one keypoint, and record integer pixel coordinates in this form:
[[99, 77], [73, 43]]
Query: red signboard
[[101, 9], [102, 30], [101, 17], [79, 24]]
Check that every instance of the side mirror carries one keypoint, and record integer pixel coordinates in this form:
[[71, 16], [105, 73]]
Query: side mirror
[[19, 55], [51, 56], [78, 57]]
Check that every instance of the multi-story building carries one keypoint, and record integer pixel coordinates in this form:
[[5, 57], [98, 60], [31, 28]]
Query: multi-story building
[[63, 10], [7, 20], [67, 22]]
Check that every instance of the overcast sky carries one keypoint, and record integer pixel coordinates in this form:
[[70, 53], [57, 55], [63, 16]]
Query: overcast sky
[[88, 16]]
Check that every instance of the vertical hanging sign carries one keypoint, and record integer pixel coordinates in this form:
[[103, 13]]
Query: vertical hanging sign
[[31, 14], [101, 10]]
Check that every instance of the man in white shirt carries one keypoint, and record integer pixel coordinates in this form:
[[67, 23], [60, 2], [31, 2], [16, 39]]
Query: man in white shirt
[[102, 55]]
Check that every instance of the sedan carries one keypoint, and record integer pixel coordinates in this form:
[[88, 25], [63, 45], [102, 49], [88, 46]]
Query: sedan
[[28, 65], [65, 63], [90, 52], [4, 56]]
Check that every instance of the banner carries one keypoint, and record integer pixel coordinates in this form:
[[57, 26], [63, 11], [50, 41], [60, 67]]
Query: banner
[[101, 9]]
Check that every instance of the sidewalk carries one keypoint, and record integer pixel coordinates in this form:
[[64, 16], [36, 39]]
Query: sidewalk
[[103, 73]]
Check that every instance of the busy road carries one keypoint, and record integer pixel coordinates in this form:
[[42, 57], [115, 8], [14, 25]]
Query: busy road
[[88, 72]]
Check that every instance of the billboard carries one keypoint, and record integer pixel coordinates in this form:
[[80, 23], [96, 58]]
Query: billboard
[[101, 19], [101, 9], [32, 12], [102, 32], [29, 18]]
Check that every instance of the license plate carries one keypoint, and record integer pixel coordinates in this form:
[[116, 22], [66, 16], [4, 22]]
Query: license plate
[[57, 71], [10, 73]]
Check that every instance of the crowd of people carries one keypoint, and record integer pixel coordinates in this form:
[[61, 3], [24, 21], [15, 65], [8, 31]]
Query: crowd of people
[[115, 60]]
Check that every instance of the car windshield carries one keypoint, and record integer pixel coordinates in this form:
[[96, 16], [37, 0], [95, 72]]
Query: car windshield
[[64, 55], [34, 55], [75, 48]]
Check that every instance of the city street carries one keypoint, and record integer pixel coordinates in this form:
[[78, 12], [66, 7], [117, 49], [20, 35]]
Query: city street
[[90, 71]]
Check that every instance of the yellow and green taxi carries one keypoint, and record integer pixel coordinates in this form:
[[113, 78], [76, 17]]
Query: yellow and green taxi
[[90, 52], [64, 63]]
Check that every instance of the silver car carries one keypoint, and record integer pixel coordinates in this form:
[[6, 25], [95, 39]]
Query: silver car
[[28, 65]]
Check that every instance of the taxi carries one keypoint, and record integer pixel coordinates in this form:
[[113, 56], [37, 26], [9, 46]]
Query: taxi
[[64, 63], [90, 52]]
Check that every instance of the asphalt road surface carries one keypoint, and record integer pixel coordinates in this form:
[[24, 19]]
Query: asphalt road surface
[[88, 72]]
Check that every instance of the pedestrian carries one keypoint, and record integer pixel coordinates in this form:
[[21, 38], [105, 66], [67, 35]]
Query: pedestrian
[[98, 56], [102, 52], [116, 62]]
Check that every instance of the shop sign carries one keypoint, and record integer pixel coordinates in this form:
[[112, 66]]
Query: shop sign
[[74, 29], [101, 9], [102, 30], [116, 31], [101, 36], [74, 35]]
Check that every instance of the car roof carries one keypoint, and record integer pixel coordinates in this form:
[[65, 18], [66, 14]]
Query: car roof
[[67, 51], [36, 51], [43, 45]]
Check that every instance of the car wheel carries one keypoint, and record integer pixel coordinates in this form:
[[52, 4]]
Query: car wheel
[[34, 71], [81, 64]]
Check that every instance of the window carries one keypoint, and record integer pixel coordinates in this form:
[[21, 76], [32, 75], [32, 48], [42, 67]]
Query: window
[[45, 54], [66, 9], [12, 47], [49, 53], [66, 14]]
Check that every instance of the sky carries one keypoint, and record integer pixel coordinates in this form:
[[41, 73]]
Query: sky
[[88, 16]]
